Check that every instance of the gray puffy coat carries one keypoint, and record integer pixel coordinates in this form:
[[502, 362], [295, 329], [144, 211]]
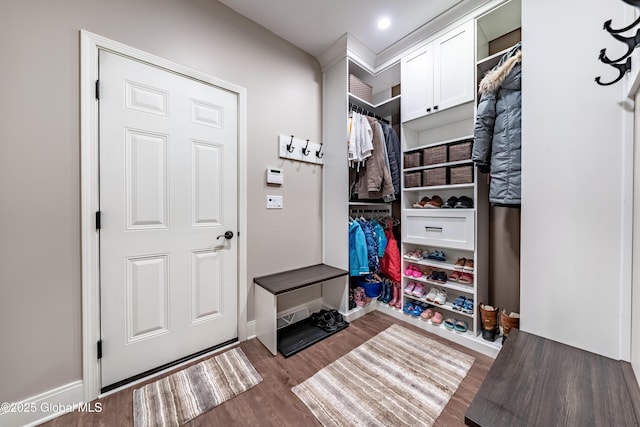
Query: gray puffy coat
[[497, 134]]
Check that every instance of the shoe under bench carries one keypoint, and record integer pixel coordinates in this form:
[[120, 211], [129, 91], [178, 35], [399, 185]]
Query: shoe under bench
[[300, 335]]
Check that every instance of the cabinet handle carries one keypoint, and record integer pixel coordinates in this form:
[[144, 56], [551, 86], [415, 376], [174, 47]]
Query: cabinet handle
[[428, 110], [435, 108], [439, 229]]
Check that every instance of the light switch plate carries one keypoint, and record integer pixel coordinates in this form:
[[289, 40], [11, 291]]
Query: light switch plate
[[275, 202]]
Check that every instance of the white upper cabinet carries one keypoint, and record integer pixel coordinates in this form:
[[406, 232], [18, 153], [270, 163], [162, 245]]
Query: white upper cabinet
[[439, 75]]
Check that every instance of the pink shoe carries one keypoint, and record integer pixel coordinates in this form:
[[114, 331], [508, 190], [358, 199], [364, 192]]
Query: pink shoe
[[396, 295], [418, 291], [409, 289], [437, 318], [399, 302]]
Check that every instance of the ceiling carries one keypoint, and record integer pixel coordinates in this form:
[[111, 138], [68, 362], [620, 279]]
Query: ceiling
[[314, 25]]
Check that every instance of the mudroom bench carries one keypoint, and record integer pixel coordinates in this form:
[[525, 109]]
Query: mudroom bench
[[535, 381], [296, 337]]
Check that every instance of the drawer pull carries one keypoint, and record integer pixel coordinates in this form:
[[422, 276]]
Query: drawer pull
[[439, 229]]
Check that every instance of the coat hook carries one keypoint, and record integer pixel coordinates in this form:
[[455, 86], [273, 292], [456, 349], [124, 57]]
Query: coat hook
[[318, 154], [622, 69], [290, 145], [631, 42], [607, 26], [306, 152]]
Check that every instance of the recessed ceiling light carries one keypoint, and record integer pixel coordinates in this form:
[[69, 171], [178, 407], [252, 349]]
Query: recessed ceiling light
[[384, 23]]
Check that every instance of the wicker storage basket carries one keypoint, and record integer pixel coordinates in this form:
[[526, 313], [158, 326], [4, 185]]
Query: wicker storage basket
[[435, 176], [412, 160], [360, 89], [413, 179], [434, 155], [461, 175], [460, 151]]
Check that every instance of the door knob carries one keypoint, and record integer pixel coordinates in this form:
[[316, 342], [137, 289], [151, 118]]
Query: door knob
[[227, 235]]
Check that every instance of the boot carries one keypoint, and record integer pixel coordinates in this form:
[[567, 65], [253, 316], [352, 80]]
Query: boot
[[393, 301], [509, 321], [384, 292], [489, 316], [388, 294], [398, 303]]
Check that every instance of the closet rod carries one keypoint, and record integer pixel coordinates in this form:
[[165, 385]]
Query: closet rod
[[361, 110]]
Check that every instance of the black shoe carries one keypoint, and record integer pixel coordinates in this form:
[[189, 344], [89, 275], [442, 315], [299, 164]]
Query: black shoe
[[339, 318], [327, 322], [464, 202], [450, 203]]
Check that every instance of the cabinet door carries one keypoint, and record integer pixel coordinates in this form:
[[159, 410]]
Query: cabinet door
[[453, 67], [417, 84]]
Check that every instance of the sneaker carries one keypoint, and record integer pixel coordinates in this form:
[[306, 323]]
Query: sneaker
[[441, 298], [459, 302], [468, 266], [468, 306], [431, 296], [418, 290], [410, 287], [460, 264]]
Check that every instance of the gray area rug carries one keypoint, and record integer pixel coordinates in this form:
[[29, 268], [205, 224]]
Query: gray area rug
[[397, 378], [182, 396]]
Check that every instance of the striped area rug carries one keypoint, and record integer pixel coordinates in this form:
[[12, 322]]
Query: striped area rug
[[397, 378], [182, 396]]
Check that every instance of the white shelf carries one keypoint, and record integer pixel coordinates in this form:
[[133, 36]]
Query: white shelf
[[440, 187], [467, 289], [489, 62], [442, 117], [439, 165], [448, 141], [447, 306]]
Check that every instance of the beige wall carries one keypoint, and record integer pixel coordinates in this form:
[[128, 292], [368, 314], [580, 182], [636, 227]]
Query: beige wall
[[40, 270]]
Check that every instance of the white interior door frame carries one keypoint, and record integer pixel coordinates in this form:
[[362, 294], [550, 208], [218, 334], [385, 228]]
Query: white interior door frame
[[90, 45]]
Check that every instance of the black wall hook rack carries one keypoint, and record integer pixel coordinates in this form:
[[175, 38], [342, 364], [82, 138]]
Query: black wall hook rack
[[632, 43], [290, 145], [607, 26], [622, 69], [305, 150]]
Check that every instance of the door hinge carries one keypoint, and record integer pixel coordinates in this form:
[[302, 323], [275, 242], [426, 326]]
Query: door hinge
[[99, 349], [98, 220], [97, 89]]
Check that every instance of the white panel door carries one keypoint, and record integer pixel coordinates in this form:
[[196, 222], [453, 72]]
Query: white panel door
[[417, 80], [168, 190], [453, 68]]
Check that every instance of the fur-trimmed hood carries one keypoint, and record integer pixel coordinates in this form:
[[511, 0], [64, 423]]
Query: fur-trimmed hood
[[497, 76]]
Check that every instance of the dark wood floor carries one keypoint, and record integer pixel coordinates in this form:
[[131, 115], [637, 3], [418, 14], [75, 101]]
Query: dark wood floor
[[271, 403]]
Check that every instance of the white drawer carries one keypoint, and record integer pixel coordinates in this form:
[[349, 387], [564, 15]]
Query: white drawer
[[449, 228]]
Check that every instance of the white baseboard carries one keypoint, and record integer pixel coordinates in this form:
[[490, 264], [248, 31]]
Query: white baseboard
[[46, 406], [251, 330]]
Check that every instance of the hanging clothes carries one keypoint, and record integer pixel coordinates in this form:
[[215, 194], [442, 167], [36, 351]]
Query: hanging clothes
[[358, 255], [381, 238], [391, 264], [394, 152], [359, 144], [373, 181], [372, 245], [497, 133]]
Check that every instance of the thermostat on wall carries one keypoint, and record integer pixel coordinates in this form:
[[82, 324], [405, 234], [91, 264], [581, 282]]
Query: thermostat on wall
[[275, 176]]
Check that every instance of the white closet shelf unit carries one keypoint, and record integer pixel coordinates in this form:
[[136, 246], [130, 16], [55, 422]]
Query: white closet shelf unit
[[438, 77]]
